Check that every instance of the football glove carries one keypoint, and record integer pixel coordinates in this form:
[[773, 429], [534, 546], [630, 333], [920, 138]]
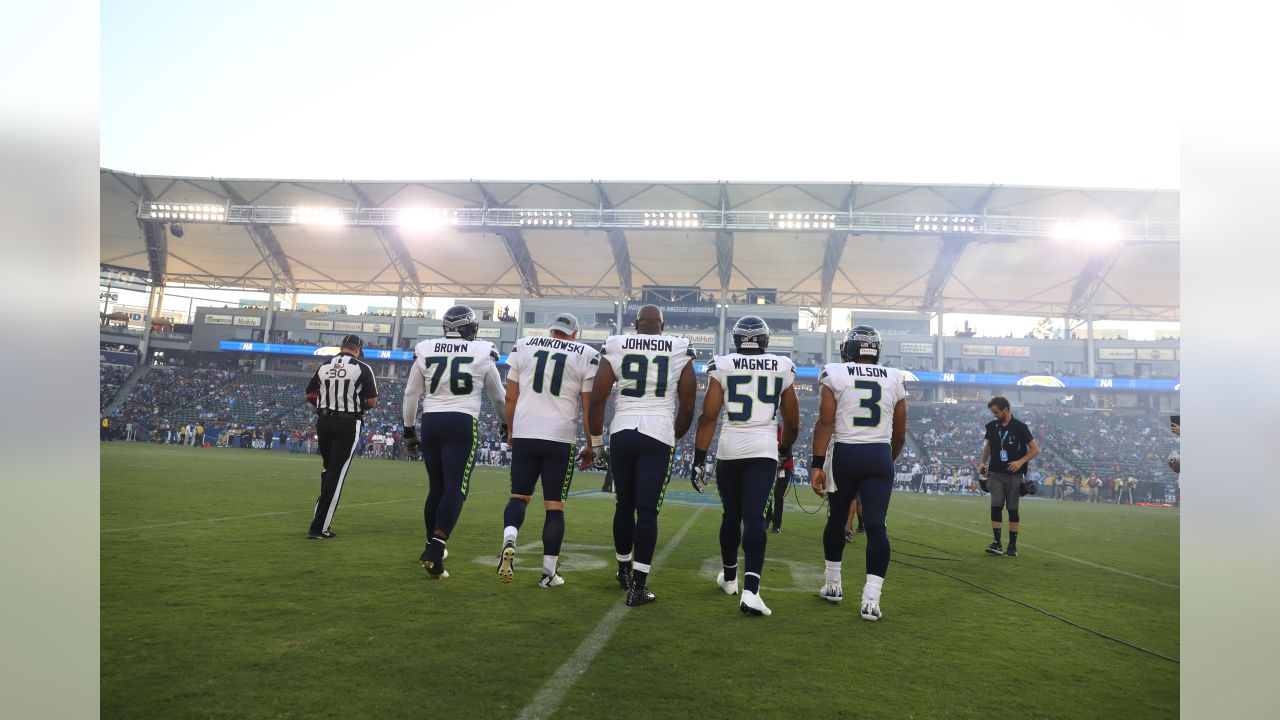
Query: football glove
[[601, 462], [411, 444], [698, 471]]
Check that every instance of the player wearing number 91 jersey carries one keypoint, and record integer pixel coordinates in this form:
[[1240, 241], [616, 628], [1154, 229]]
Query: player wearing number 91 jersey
[[652, 371], [751, 389], [452, 372], [864, 405]]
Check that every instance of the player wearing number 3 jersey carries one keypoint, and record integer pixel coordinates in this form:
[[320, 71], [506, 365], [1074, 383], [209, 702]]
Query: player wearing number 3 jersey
[[652, 370], [862, 424], [450, 372]]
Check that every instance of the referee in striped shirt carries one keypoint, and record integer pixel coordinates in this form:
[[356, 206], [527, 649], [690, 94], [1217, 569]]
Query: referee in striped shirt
[[342, 389]]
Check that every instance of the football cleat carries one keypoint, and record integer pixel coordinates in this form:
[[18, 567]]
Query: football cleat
[[994, 548], [324, 535], [751, 604], [730, 587], [550, 581], [433, 561], [871, 610], [507, 562], [422, 559], [776, 530], [624, 579], [832, 592], [638, 595], [1012, 551]]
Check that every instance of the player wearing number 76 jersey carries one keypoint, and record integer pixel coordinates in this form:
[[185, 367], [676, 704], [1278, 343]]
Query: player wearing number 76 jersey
[[751, 388], [548, 383], [862, 424], [451, 372]]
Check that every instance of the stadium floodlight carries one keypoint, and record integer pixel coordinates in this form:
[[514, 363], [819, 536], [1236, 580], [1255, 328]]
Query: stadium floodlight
[[1088, 231], [425, 218], [546, 218], [188, 211], [947, 223], [803, 221], [677, 219], [317, 216]]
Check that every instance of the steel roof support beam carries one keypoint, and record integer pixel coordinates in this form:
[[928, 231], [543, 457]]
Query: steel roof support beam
[[268, 245], [1094, 274], [518, 249], [618, 244], [943, 265], [393, 245], [724, 257]]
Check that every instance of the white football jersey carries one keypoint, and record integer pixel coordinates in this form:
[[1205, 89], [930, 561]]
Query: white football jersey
[[865, 398], [753, 386], [647, 368], [449, 374], [552, 375]]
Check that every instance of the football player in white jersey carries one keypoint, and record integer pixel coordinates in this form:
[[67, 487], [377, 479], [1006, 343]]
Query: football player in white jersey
[[652, 370], [452, 372], [862, 424], [751, 388], [548, 383]]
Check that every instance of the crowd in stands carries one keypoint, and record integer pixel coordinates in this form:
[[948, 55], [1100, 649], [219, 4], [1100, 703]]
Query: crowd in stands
[[1086, 455], [110, 378]]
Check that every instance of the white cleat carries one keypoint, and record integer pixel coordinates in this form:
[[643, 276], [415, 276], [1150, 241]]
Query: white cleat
[[507, 563], [752, 604], [871, 610], [832, 592], [550, 581], [730, 587]]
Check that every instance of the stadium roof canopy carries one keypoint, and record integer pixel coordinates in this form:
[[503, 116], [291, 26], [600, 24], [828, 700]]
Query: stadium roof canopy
[[991, 249]]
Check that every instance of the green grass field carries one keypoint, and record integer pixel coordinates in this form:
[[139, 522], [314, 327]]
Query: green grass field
[[215, 606]]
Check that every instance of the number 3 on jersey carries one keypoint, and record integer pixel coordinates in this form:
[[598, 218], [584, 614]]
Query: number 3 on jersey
[[871, 403], [636, 369]]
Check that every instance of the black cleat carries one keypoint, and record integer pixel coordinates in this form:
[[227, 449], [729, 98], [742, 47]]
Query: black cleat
[[507, 562], [776, 530], [1012, 551], [433, 561], [994, 548], [861, 530], [624, 579], [324, 535], [638, 595]]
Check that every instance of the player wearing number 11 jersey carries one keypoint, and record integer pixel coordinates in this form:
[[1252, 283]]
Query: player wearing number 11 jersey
[[863, 408], [652, 371], [452, 372], [752, 389], [548, 383]]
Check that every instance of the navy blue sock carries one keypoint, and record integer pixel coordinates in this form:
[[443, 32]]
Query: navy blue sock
[[553, 532], [513, 515]]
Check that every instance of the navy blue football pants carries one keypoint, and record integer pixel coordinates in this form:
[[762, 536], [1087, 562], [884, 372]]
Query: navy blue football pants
[[641, 470], [449, 441], [865, 470]]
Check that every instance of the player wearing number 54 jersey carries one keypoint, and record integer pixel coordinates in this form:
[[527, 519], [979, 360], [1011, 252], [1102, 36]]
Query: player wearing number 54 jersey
[[652, 370], [451, 372], [862, 424], [751, 388], [548, 383]]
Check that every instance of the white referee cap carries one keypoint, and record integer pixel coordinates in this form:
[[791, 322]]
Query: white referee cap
[[565, 323]]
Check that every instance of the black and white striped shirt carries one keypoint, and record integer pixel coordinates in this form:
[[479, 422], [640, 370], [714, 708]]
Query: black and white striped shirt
[[344, 383]]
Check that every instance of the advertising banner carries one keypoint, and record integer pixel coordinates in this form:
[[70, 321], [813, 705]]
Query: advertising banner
[[1021, 351], [782, 341], [979, 350], [1116, 353], [319, 324], [915, 348], [217, 319], [322, 308], [347, 326], [489, 333], [247, 321], [384, 328], [1155, 353]]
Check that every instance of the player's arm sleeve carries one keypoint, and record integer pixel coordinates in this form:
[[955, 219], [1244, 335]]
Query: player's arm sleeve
[[368, 383], [413, 394], [589, 375], [789, 377], [493, 387], [314, 385]]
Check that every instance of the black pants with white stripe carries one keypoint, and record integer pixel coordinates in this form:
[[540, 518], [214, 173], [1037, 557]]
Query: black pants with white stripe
[[337, 439]]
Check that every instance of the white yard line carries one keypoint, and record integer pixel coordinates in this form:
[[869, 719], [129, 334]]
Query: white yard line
[[548, 699], [1033, 547], [247, 517]]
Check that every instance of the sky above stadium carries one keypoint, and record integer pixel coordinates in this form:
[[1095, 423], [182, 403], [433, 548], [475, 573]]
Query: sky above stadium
[[1078, 94]]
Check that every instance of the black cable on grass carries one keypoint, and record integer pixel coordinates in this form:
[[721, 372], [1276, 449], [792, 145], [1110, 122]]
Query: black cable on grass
[[1042, 611], [955, 557], [795, 491]]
